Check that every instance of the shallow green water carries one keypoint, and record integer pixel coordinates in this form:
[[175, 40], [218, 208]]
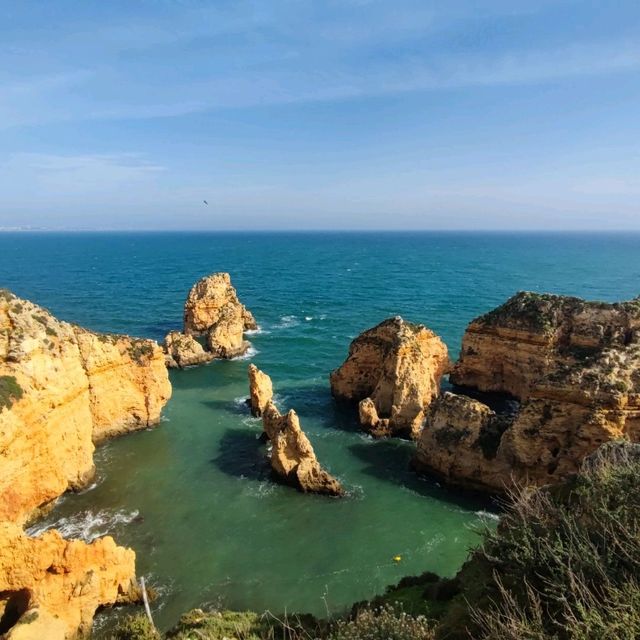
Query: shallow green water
[[194, 497]]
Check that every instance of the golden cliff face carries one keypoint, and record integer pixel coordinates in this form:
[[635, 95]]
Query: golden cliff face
[[260, 390], [62, 388], [393, 371], [575, 368], [55, 585]]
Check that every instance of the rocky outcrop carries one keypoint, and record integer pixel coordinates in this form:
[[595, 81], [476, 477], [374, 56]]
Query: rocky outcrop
[[260, 390], [52, 587], [393, 371], [292, 457], [212, 309], [183, 351], [574, 366], [62, 389]]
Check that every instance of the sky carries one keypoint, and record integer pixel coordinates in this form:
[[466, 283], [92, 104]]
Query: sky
[[343, 114]]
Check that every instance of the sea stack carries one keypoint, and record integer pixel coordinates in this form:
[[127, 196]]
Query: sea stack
[[293, 459], [571, 365], [63, 388], [212, 311], [393, 371]]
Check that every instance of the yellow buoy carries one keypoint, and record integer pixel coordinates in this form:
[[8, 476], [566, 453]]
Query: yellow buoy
[[397, 558]]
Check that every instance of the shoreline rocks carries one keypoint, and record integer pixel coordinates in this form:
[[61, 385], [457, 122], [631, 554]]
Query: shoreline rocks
[[212, 310], [574, 367], [62, 389], [293, 459], [393, 371]]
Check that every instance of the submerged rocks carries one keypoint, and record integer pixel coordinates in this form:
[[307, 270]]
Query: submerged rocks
[[212, 310], [575, 368], [293, 459], [51, 587], [260, 390], [393, 371]]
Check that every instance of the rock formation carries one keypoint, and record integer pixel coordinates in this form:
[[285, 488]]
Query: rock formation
[[63, 388], [293, 459], [260, 390], [55, 585], [573, 365], [182, 351], [393, 371], [213, 309]]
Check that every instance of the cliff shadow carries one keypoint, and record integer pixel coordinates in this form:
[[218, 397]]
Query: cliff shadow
[[390, 459], [242, 454]]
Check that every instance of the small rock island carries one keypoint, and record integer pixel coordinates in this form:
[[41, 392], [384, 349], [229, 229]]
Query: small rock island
[[212, 310], [293, 459], [393, 371]]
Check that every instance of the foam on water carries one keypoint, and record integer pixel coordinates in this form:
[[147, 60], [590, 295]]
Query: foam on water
[[86, 525], [251, 352]]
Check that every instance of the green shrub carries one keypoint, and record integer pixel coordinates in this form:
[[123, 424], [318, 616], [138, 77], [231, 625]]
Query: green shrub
[[10, 391], [135, 627], [565, 561], [385, 623]]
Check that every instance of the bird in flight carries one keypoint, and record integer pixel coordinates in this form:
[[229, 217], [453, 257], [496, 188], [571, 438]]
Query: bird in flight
[[206, 202]]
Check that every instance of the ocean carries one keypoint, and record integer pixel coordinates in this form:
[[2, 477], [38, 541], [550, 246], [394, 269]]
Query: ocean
[[193, 496]]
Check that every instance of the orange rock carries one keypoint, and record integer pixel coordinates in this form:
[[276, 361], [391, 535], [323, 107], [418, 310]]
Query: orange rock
[[293, 459], [393, 371], [55, 585], [260, 390], [212, 308], [182, 351], [62, 389], [573, 365]]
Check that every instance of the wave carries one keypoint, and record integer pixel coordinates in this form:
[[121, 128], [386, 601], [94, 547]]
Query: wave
[[487, 515], [287, 322], [256, 332], [86, 525], [248, 354]]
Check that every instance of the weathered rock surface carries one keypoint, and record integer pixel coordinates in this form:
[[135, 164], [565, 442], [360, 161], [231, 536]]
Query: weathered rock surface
[[260, 390], [182, 351], [213, 309], [393, 371], [293, 459], [55, 585], [575, 368], [62, 388]]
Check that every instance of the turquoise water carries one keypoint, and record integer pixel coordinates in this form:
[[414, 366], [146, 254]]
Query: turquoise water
[[193, 497]]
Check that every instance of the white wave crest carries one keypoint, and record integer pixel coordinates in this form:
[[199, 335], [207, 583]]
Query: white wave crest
[[86, 525], [255, 332], [248, 354], [286, 322], [487, 515]]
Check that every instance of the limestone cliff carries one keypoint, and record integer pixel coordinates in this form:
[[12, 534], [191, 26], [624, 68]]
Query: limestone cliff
[[62, 388], [260, 390], [393, 371], [55, 585], [213, 309], [292, 457], [575, 368], [182, 351]]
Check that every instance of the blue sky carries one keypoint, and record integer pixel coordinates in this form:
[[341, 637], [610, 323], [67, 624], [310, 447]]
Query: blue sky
[[346, 114]]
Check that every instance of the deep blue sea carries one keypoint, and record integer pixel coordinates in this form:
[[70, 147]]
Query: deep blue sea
[[194, 497]]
